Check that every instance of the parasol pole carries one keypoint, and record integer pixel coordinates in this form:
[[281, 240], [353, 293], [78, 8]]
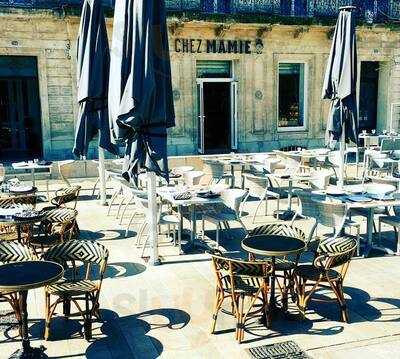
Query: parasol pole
[[102, 177], [342, 150], [152, 216]]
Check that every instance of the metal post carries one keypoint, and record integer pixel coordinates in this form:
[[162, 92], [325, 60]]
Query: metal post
[[152, 217], [102, 177], [342, 150]]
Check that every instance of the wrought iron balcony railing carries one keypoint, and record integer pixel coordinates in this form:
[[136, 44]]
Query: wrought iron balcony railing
[[369, 11]]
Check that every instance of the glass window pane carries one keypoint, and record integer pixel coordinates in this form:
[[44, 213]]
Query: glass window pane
[[291, 95], [213, 69]]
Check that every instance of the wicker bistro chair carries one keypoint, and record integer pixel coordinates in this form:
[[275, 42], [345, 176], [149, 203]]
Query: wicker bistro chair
[[76, 289], [236, 281], [284, 266], [12, 251], [59, 226], [66, 195], [334, 253], [10, 232], [229, 211]]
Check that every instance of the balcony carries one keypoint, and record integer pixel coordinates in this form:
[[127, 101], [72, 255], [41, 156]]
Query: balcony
[[369, 11]]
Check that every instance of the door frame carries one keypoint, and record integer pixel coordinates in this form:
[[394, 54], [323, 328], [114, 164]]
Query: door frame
[[200, 110]]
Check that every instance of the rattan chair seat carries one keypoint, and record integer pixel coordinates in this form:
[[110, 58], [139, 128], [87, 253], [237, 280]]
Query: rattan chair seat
[[42, 240], [243, 285], [66, 287], [310, 272]]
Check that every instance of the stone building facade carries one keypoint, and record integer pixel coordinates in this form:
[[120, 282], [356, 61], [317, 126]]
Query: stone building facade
[[243, 68]]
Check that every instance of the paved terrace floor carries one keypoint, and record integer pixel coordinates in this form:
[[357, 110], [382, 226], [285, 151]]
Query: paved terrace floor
[[165, 311]]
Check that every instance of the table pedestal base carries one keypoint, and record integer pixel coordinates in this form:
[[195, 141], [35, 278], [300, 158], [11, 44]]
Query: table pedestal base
[[29, 353], [26, 352], [285, 215]]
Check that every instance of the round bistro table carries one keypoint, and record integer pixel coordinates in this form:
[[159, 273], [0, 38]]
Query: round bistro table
[[18, 223], [273, 246], [21, 277]]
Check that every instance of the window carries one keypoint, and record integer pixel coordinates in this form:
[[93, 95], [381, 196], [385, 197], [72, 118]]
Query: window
[[214, 69], [292, 96], [217, 6], [20, 116]]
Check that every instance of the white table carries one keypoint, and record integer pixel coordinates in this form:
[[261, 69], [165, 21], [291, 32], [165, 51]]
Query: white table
[[293, 178], [370, 207], [32, 166], [167, 195]]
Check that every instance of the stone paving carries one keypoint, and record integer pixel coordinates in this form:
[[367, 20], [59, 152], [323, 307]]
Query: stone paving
[[165, 311]]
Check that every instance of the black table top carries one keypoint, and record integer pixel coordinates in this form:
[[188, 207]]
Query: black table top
[[272, 245], [28, 275]]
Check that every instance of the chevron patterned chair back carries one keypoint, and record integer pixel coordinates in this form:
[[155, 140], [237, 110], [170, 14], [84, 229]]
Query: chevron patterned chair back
[[12, 251], [61, 215], [66, 195], [335, 252], [279, 229], [79, 251], [8, 202], [284, 230]]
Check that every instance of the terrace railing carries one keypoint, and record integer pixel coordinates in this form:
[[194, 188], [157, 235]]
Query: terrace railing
[[367, 10]]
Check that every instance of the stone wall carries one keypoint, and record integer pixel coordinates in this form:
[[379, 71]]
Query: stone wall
[[52, 40]]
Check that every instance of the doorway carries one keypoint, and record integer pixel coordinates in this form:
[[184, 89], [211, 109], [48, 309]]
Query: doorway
[[368, 104], [217, 117], [20, 116], [217, 110]]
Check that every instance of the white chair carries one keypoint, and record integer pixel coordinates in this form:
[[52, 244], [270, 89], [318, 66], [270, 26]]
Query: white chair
[[182, 169], [163, 219], [258, 186], [2, 173], [192, 178], [333, 215], [393, 221], [117, 183], [216, 171], [109, 174], [379, 187], [321, 178], [62, 165], [231, 211]]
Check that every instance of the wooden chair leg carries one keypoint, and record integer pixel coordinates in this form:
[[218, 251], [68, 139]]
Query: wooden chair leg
[[219, 298], [301, 294], [338, 290], [66, 307], [217, 235], [47, 317], [241, 319], [87, 319]]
